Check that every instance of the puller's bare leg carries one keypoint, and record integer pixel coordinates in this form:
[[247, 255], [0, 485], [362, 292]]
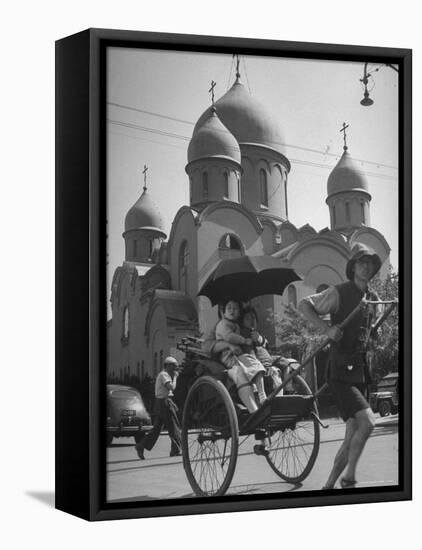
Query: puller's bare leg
[[342, 456], [365, 423]]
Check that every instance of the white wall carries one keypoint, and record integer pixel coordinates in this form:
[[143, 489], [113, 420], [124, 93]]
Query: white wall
[[28, 33]]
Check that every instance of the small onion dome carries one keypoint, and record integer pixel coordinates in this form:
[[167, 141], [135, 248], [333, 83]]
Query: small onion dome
[[246, 118], [212, 139], [346, 176], [144, 214]]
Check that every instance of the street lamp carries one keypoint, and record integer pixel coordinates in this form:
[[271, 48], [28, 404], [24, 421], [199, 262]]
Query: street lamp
[[367, 101]]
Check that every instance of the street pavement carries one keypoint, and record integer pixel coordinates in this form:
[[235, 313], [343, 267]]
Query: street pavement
[[162, 477]]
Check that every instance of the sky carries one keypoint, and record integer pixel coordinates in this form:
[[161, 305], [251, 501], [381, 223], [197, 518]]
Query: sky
[[309, 100]]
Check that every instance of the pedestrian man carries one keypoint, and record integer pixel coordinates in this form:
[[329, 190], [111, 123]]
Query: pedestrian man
[[165, 410], [347, 361]]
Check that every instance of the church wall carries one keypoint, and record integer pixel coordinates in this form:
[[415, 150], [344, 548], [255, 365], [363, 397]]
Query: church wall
[[138, 343], [216, 170], [140, 244], [118, 349], [307, 262], [159, 344], [253, 160], [184, 231], [215, 225], [356, 214], [268, 239]]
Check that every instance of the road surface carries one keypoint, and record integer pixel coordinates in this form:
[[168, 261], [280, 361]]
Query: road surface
[[162, 477]]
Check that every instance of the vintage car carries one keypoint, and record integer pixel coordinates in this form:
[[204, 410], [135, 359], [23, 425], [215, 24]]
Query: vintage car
[[126, 413], [385, 399]]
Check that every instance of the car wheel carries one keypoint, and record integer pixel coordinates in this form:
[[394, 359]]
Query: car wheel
[[384, 408]]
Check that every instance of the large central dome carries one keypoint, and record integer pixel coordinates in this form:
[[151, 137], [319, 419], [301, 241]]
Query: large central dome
[[246, 118]]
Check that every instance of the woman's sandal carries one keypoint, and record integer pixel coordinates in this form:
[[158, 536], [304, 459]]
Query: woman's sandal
[[347, 483]]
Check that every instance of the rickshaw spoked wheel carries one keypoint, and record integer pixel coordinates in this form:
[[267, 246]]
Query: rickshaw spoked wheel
[[210, 437], [293, 451]]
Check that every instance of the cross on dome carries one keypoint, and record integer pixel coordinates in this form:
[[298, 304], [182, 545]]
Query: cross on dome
[[343, 129], [235, 55], [144, 171], [211, 90]]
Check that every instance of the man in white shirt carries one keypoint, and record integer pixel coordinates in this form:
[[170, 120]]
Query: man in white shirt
[[165, 410]]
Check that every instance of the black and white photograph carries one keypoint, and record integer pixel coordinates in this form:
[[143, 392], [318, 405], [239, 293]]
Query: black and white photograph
[[252, 264]]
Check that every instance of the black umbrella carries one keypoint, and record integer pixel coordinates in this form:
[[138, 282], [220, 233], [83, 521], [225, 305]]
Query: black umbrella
[[246, 277]]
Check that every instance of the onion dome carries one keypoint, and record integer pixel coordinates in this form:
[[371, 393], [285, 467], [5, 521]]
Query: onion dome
[[144, 214], [246, 118], [346, 176], [212, 139]]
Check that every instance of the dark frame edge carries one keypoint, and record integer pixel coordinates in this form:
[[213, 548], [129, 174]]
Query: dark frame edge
[[72, 368]]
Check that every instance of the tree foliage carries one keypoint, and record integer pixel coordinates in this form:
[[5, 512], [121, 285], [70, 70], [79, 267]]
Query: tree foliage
[[297, 336], [386, 345]]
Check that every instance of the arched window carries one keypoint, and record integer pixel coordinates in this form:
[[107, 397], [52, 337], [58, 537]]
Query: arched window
[[263, 186], [292, 295], [285, 195], [183, 266], [239, 197], [230, 242], [334, 216], [205, 186], [125, 325], [190, 189], [135, 246], [347, 212], [226, 185], [362, 211], [230, 246]]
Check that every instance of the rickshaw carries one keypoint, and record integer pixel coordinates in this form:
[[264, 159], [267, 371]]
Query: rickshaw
[[214, 421]]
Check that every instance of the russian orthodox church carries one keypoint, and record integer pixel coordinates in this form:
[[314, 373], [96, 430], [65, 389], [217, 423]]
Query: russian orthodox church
[[238, 173]]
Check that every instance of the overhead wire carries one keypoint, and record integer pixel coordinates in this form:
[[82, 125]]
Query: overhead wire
[[186, 138], [299, 147]]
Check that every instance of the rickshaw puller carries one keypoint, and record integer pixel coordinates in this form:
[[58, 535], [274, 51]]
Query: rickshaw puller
[[348, 369]]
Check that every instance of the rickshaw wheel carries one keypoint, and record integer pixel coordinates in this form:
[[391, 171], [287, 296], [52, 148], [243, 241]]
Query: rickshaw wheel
[[293, 451], [210, 437]]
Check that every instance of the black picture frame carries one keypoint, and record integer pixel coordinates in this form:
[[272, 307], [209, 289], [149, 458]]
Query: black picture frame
[[81, 274]]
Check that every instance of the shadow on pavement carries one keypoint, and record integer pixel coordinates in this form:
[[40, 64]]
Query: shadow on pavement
[[143, 466], [133, 499], [45, 497]]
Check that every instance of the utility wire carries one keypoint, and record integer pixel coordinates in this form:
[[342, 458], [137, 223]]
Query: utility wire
[[149, 113], [299, 147], [293, 161]]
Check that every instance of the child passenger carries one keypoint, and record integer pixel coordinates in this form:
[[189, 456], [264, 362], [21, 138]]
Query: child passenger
[[248, 329], [244, 368]]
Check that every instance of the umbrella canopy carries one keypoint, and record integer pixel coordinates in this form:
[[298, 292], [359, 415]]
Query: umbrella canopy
[[246, 277]]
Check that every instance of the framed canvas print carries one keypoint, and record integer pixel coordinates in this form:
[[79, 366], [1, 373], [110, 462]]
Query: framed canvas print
[[233, 274]]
